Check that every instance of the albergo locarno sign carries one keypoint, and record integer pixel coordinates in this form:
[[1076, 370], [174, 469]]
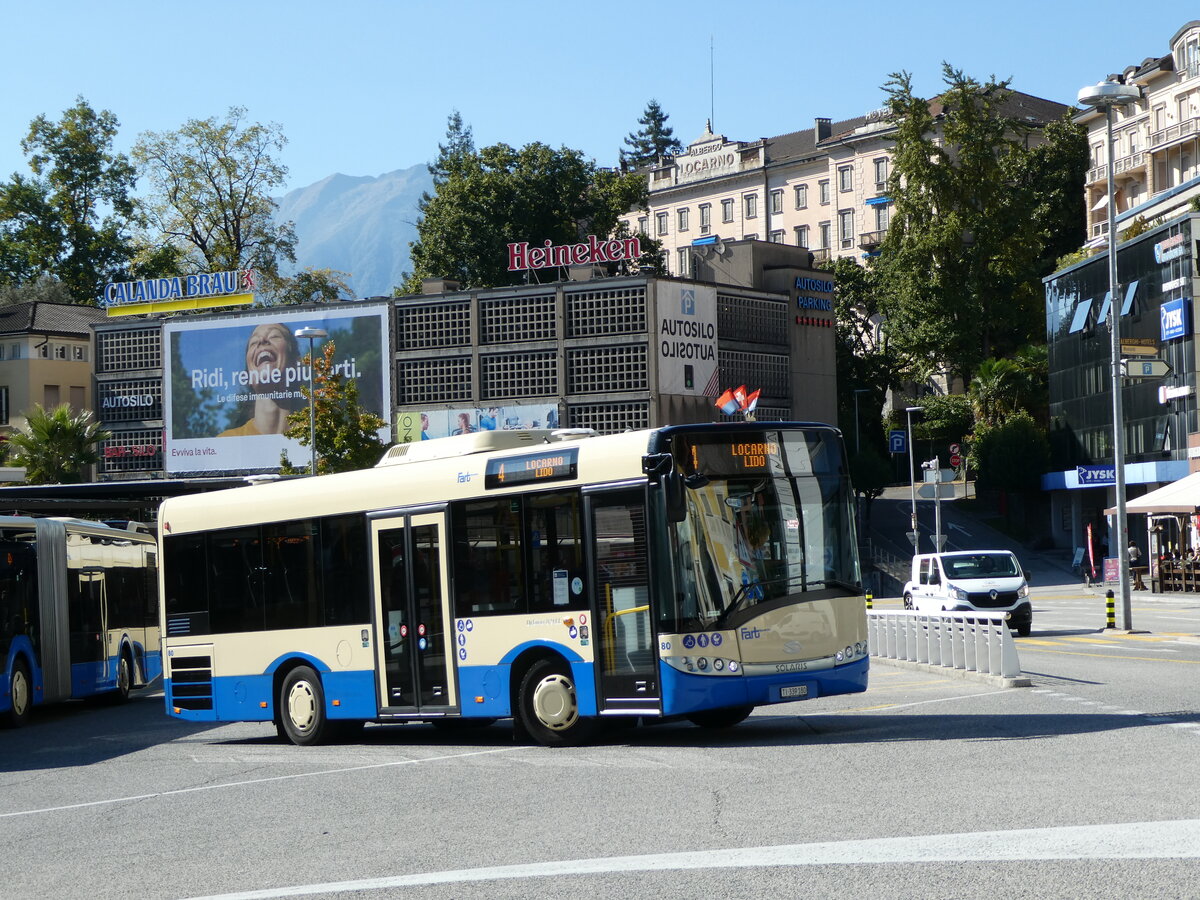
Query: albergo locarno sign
[[586, 253]]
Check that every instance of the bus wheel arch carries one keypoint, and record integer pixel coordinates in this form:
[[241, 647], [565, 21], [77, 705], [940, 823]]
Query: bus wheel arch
[[125, 674], [546, 702], [21, 691], [300, 715]]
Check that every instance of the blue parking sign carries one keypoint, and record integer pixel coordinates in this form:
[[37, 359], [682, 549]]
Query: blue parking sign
[[897, 441]]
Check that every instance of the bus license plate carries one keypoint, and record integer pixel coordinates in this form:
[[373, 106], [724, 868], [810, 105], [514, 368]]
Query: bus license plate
[[795, 690]]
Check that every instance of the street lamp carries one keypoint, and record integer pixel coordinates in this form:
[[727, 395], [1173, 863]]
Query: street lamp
[[912, 480], [312, 334], [1104, 96], [857, 440]]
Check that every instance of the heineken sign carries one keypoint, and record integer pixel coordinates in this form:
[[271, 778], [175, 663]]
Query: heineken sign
[[587, 253]]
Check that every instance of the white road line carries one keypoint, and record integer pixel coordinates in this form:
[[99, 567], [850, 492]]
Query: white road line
[[233, 784], [1135, 840]]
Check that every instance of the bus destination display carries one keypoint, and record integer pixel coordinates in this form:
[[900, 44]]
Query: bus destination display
[[532, 468], [731, 457]]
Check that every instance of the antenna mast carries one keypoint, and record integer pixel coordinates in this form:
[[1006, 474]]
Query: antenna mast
[[711, 82]]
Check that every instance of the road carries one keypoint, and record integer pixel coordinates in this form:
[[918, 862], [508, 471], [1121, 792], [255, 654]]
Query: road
[[1083, 785]]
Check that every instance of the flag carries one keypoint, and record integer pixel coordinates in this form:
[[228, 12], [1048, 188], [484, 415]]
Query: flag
[[726, 403], [751, 401], [739, 394]]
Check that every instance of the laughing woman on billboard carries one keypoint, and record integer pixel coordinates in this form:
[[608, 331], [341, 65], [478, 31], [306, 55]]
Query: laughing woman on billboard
[[271, 350]]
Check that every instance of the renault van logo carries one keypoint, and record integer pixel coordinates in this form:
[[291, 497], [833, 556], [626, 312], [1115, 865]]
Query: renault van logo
[[993, 594]]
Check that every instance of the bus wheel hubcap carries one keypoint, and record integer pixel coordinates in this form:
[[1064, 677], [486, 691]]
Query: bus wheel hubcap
[[554, 702], [301, 706], [20, 693]]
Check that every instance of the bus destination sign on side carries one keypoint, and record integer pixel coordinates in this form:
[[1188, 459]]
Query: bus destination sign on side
[[532, 468]]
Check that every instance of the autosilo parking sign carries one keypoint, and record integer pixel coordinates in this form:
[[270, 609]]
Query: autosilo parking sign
[[897, 441]]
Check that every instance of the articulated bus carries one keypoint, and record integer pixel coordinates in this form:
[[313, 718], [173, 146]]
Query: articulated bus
[[78, 612], [555, 577]]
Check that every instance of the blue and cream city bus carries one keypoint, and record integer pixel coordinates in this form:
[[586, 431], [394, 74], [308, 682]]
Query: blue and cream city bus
[[78, 612], [555, 577]]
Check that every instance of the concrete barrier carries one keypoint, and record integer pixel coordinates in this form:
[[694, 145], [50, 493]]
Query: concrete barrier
[[963, 642]]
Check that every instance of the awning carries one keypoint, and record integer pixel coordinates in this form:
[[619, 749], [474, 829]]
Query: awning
[[1180, 497], [1101, 203]]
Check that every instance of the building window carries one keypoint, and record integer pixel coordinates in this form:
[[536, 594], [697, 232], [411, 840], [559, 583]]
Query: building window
[[823, 192], [52, 396], [750, 206], [726, 210], [3, 405], [1133, 141], [881, 173], [776, 202], [1191, 57], [685, 254], [802, 196], [846, 228], [801, 235], [823, 236], [1160, 117], [777, 237], [882, 216], [643, 225], [16, 352], [44, 350], [79, 354], [1, 351], [683, 219], [705, 217], [60, 351], [660, 220], [845, 178], [750, 237]]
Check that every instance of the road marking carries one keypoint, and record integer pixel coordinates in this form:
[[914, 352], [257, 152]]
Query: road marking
[[1182, 662], [842, 712], [1178, 839], [251, 781]]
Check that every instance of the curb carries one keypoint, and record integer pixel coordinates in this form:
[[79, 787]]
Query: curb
[[999, 681]]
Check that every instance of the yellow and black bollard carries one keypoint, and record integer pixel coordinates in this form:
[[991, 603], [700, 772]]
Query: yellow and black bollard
[[1110, 609], [870, 597]]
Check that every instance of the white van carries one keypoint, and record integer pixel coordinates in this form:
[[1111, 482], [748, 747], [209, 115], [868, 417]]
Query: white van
[[971, 581]]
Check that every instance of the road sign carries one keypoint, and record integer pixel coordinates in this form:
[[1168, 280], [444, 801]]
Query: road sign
[[934, 490], [956, 460], [1147, 368], [897, 441], [954, 448], [1139, 347]]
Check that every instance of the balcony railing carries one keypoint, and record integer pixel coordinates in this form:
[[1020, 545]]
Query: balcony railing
[[1174, 132], [821, 256], [1124, 164], [871, 240]]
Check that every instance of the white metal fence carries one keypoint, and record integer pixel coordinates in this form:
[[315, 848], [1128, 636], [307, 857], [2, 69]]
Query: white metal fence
[[972, 642]]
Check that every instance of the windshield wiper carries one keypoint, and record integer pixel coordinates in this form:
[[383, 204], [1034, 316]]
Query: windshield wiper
[[742, 593]]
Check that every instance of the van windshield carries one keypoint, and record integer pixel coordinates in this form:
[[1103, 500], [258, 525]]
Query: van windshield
[[981, 565]]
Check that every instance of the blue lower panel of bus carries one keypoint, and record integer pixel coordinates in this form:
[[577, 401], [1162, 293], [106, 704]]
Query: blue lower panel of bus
[[251, 698], [684, 693]]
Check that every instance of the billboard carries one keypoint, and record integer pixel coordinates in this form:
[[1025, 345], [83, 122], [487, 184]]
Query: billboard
[[231, 383], [687, 339], [422, 425]]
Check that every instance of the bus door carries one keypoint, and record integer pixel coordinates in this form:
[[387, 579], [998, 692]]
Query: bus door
[[88, 614], [626, 656], [411, 614]]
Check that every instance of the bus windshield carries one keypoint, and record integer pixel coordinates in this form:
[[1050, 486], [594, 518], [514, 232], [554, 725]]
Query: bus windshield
[[768, 519]]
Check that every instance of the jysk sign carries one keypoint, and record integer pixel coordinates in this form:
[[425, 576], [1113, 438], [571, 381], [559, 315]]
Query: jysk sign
[[1174, 319], [1094, 476]]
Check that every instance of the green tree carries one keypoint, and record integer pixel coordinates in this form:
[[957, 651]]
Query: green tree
[[995, 391], [483, 199], [46, 289], [56, 445], [654, 139], [1011, 456], [347, 437], [975, 212], [313, 285], [209, 201], [71, 219]]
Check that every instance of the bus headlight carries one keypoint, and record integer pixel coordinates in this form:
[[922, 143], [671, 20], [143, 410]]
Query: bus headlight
[[702, 664], [718, 664]]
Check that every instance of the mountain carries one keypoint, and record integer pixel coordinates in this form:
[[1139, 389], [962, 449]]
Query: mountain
[[360, 225]]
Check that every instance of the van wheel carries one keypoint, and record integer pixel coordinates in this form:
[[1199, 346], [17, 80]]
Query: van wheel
[[1024, 628]]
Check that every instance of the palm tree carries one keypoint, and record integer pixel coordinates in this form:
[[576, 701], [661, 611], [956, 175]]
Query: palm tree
[[996, 390], [56, 445]]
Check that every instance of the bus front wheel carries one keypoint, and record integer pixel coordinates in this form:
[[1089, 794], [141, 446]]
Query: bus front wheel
[[549, 707], [302, 707], [21, 690]]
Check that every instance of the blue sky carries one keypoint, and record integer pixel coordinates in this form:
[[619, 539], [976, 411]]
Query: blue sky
[[364, 87]]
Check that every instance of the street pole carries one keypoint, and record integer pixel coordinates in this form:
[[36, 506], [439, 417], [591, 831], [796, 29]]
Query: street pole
[[857, 427], [913, 535], [312, 334], [1105, 96]]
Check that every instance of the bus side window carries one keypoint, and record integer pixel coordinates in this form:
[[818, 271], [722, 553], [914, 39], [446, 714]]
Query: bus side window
[[555, 542], [488, 570]]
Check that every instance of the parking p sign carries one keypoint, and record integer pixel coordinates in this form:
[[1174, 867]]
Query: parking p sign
[[897, 441]]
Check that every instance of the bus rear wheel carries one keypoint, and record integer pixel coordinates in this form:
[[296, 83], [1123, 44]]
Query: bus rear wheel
[[721, 718], [549, 708], [302, 707], [124, 679], [21, 689]]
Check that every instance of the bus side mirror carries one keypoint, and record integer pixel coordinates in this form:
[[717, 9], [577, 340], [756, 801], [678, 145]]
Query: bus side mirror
[[659, 468]]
